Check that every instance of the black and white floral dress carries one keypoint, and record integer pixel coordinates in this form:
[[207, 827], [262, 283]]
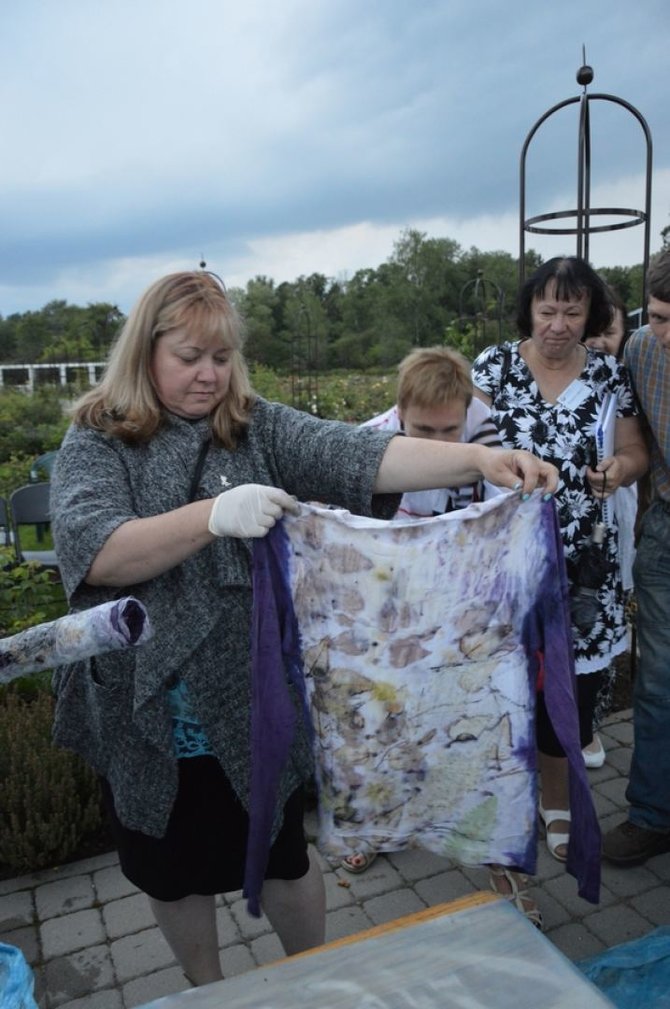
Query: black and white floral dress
[[564, 435]]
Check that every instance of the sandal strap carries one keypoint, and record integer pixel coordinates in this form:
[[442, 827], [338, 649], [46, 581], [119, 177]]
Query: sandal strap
[[551, 815], [364, 859], [517, 895]]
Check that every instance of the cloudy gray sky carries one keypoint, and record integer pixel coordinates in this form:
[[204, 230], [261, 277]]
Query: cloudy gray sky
[[284, 137]]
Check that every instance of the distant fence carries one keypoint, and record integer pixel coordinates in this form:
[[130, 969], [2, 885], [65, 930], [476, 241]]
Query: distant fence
[[27, 376]]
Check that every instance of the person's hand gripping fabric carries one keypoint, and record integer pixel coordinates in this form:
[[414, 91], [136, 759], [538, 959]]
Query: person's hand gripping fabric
[[250, 510]]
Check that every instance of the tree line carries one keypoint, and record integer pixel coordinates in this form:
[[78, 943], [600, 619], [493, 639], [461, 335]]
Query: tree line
[[429, 291]]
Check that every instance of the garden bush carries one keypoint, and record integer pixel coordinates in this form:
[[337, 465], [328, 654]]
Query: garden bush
[[14, 472], [50, 798], [30, 424], [29, 594], [336, 395]]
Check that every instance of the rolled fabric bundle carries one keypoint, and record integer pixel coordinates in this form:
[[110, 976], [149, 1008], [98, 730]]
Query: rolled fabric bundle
[[120, 623]]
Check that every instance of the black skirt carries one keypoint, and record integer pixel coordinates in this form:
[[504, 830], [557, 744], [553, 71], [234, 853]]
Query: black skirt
[[204, 847]]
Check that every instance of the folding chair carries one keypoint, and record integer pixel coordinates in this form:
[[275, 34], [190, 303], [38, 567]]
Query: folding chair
[[5, 524], [29, 506]]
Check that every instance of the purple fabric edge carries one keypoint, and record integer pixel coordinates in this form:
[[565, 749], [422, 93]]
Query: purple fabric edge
[[275, 657], [560, 697]]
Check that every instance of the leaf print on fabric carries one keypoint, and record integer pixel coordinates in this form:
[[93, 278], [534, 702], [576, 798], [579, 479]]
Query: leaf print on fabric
[[423, 738], [346, 559], [404, 757], [406, 651]]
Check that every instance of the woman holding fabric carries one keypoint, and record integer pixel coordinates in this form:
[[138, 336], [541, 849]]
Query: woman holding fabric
[[171, 465], [545, 392]]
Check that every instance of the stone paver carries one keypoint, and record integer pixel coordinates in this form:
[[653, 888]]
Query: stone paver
[[78, 975], [236, 960], [392, 905], [140, 953], [127, 915], [16, 910], [152, 986], [64, 896], [346, 921], [267, 948], [110, 998], [93, 944], [27, 940], [110, 884], [70, 932], [654, 905], [612, 927], [442, 888]]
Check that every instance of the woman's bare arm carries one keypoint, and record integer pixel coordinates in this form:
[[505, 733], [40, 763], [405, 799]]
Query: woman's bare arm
[[141, 549], [421, 464]]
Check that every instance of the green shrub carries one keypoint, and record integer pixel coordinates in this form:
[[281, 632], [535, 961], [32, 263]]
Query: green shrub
[[29, 594], [50, 800], [14, 472], [30, 424], [336, 395]]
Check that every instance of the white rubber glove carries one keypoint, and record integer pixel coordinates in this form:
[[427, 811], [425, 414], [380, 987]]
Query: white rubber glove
[[249, 510]]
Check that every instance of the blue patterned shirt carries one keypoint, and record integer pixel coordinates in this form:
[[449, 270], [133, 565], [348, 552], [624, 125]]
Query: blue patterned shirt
[[190, 739]]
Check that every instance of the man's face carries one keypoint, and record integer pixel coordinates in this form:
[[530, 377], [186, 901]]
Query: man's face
[[441, 423], [659, 321]]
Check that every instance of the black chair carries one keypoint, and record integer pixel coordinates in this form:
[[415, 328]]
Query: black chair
[[29, 506], [5, 525], [39, 471]]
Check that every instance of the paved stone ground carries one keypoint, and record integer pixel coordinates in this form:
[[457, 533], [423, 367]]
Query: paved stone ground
[[91, 940]]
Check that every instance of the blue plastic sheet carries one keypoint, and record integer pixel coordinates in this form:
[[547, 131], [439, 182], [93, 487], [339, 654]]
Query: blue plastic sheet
[[16, 980], [635, 973]]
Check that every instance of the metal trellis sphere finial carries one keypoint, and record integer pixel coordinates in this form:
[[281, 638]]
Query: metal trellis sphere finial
[[585, 75]]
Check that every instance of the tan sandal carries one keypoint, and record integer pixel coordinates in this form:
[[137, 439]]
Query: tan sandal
[[513, 892], [358, 861]]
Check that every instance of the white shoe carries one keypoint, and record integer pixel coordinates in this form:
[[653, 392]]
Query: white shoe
[[594, 753], [554, 839]]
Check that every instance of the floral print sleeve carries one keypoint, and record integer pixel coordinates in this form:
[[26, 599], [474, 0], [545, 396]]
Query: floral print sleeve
[[488, 369]]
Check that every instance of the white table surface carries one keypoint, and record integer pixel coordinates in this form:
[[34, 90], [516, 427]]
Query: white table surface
[[475, 953]]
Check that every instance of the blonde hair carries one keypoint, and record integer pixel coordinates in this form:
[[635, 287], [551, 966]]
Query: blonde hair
[[124, 404], [434, 376]]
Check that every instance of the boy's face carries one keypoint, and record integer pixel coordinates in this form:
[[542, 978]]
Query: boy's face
[[659, 321], [441, 423]]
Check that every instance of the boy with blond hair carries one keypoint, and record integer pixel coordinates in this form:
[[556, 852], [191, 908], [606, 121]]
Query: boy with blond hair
[[435, 400]]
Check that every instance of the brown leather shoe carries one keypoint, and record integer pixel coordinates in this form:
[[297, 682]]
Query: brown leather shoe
[[629, 844]]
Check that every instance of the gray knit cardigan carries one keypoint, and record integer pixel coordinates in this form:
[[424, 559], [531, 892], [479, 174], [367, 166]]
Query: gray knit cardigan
[[113, 709]]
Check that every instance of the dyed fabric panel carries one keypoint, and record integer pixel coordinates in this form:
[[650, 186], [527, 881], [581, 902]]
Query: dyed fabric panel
[[105, 628], [420, 643]]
